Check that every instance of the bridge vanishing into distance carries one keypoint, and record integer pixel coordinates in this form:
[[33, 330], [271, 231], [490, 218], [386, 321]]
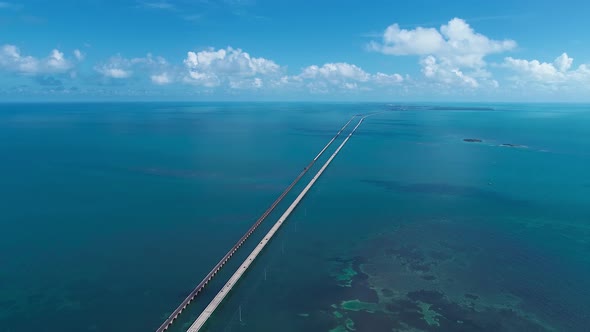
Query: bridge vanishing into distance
[[204, 316]]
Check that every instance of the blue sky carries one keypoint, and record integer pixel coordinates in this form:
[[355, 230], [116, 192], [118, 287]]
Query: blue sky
[[421, 50]]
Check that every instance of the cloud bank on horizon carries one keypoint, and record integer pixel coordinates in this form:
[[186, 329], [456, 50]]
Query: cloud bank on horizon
[[452, 61]]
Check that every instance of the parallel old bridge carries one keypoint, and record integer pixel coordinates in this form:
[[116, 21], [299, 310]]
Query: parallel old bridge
[[204, 316]]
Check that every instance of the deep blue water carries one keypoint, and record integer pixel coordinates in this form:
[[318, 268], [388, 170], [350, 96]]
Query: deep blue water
[[111, 213]]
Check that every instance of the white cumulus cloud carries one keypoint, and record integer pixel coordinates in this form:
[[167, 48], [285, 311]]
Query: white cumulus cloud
[[453, 54], [456, 43], [251, 83], [385, 79], [441, 72], [114, 72], [408, 42], [161, 79], [340, 75], [548, 73], [79, 55], [335, 73], [118, 67], [230, 66], [11, 59], [57, 62]]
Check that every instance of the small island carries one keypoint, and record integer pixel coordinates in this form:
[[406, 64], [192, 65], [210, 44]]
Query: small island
[[513, 145], [461, 108]]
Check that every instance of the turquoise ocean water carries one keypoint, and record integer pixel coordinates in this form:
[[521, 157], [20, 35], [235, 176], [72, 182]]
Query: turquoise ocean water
[[111, 213]]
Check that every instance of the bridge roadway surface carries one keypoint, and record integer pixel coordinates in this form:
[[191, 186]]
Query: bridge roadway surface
[[168, 322], [204, 316]]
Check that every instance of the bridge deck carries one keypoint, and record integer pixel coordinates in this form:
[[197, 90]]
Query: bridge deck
[[204, 316], [168, 322]]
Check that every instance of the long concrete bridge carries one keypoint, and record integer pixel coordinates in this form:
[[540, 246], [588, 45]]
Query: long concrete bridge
[[206, 314], [191, 296]]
